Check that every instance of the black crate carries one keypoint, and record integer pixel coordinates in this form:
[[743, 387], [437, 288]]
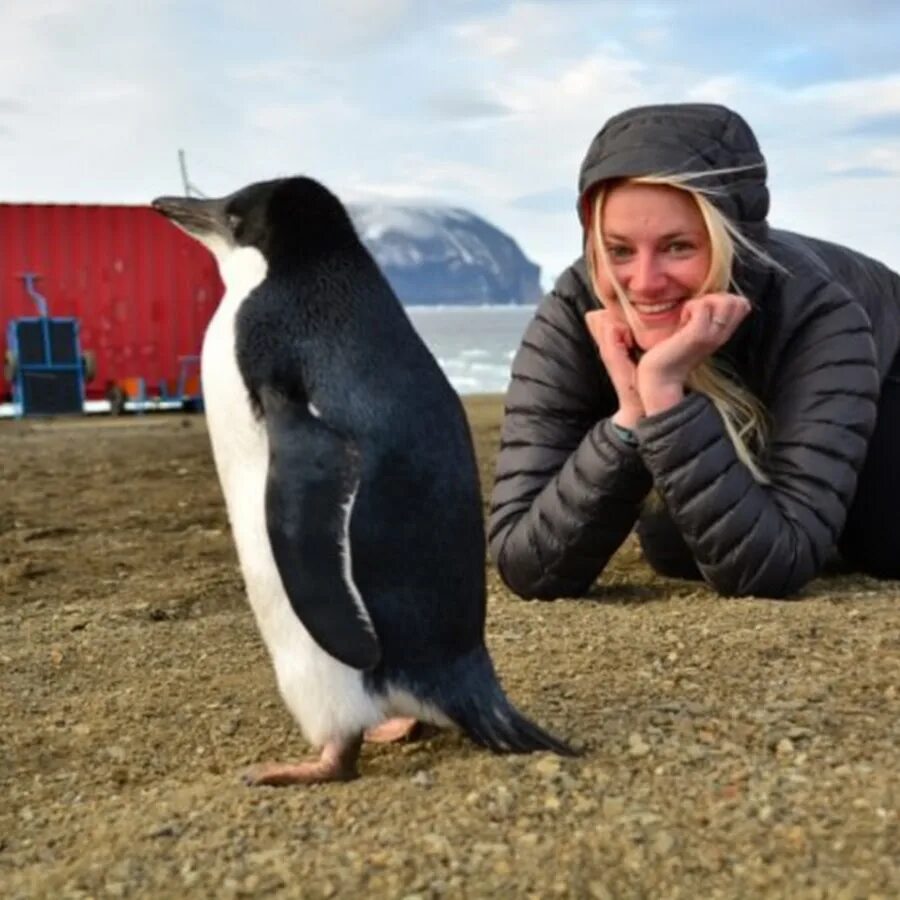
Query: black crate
[[51, 392]]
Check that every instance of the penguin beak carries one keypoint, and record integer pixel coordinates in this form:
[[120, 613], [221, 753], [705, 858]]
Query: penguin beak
[[195, 215]]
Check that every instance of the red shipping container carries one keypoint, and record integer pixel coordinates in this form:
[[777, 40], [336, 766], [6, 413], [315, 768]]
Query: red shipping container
[[142, 291]]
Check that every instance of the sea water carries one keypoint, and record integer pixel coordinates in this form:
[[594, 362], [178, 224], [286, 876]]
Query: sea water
[[474, 345]]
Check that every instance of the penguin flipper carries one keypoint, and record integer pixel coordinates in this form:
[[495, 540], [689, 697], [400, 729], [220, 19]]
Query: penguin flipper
[[312, 481]]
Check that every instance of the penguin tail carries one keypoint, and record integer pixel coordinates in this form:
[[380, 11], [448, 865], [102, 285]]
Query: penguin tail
[[471, 696], [500, 727]]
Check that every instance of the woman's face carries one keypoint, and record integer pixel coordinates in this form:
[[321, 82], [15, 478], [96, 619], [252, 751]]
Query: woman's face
[[658, 251]]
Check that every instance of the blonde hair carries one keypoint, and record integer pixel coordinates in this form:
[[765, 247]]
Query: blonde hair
[[744, 416]]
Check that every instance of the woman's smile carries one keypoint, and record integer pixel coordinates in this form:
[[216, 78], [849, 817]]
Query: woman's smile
[[656, 313]]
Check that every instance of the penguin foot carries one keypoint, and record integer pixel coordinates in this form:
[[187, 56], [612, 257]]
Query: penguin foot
[[401, 728], [337, 763]]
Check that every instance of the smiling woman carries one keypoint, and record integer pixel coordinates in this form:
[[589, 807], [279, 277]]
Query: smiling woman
[[747, 378], [652, 245]]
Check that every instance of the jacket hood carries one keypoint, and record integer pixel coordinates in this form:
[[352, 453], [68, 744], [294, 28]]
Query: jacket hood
[[685, 138]]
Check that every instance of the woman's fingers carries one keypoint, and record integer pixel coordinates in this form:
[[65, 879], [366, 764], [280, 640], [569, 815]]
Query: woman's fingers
[[594, 322], [614, 341], [608, 329], [713, 318], [725, 313]]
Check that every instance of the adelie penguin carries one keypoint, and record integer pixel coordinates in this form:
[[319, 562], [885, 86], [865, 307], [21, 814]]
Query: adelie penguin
[[350, 481]]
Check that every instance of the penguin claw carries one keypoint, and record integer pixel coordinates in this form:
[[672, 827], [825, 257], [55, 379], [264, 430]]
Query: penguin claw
[[337, 763], [283, 774]]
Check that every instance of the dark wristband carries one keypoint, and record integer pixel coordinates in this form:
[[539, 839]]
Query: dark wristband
[[626, 434]]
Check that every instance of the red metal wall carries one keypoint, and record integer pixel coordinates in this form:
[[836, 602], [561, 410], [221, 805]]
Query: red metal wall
[[142, 290]]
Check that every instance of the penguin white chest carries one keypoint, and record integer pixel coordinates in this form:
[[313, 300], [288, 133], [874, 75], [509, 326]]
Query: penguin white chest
[[240, 448], [239, 442]]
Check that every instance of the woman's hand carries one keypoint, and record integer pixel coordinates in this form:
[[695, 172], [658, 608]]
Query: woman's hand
[[615, 341], [707, 322]]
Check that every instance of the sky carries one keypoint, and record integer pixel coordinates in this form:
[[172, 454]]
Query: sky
[[481, 104]]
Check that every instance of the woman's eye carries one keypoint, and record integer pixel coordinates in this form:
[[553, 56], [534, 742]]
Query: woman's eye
[[618, 253], [680, 248]]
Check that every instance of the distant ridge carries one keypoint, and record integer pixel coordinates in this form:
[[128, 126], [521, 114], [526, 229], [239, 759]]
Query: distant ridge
[[439, 255]]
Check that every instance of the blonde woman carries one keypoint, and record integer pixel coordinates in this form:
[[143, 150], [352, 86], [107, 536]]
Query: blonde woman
[[731, 390]]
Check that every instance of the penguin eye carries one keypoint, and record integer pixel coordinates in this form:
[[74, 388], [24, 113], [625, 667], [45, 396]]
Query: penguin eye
[[234, 222]]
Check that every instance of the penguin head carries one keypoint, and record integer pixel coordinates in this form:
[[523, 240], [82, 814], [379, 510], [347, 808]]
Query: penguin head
[[286, 218]]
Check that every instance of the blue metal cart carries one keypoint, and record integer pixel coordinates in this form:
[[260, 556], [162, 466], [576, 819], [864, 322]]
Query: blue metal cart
[[44, 361]]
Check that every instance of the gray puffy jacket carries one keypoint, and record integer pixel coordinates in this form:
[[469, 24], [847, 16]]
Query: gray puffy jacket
[[815, 349]]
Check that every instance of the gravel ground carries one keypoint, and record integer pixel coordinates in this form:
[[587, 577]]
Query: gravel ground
[[732, 748]]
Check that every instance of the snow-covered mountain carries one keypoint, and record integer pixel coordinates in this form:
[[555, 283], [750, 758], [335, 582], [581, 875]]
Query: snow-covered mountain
[[445, 255]]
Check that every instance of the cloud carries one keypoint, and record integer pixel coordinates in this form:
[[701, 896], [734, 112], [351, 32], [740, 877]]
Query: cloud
[[511, 33], [105, 112], [868, 161], [467, 105], [864, 172], [453, 182], [878, 126], [856, 98], [340, 29], [9, 109], [273, 73], [553, 200]]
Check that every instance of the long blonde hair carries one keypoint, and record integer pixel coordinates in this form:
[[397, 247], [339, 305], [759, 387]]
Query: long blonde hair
[[744, 416]]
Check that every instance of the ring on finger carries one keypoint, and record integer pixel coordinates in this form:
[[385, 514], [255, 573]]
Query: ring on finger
[[720, 323]]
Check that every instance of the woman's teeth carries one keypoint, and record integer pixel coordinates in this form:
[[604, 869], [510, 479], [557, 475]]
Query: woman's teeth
[[653, 308]]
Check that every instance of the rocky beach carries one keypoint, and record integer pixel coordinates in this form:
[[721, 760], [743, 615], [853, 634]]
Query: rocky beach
[[730, 748]]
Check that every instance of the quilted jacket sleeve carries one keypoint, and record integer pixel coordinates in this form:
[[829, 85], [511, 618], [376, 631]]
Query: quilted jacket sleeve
[[770, 539], [567, 489]]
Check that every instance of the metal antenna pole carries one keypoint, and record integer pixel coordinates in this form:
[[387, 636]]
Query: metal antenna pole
[[190, 189], [184, 175]]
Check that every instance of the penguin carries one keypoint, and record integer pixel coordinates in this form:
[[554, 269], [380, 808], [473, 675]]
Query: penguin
[[349, 477]]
